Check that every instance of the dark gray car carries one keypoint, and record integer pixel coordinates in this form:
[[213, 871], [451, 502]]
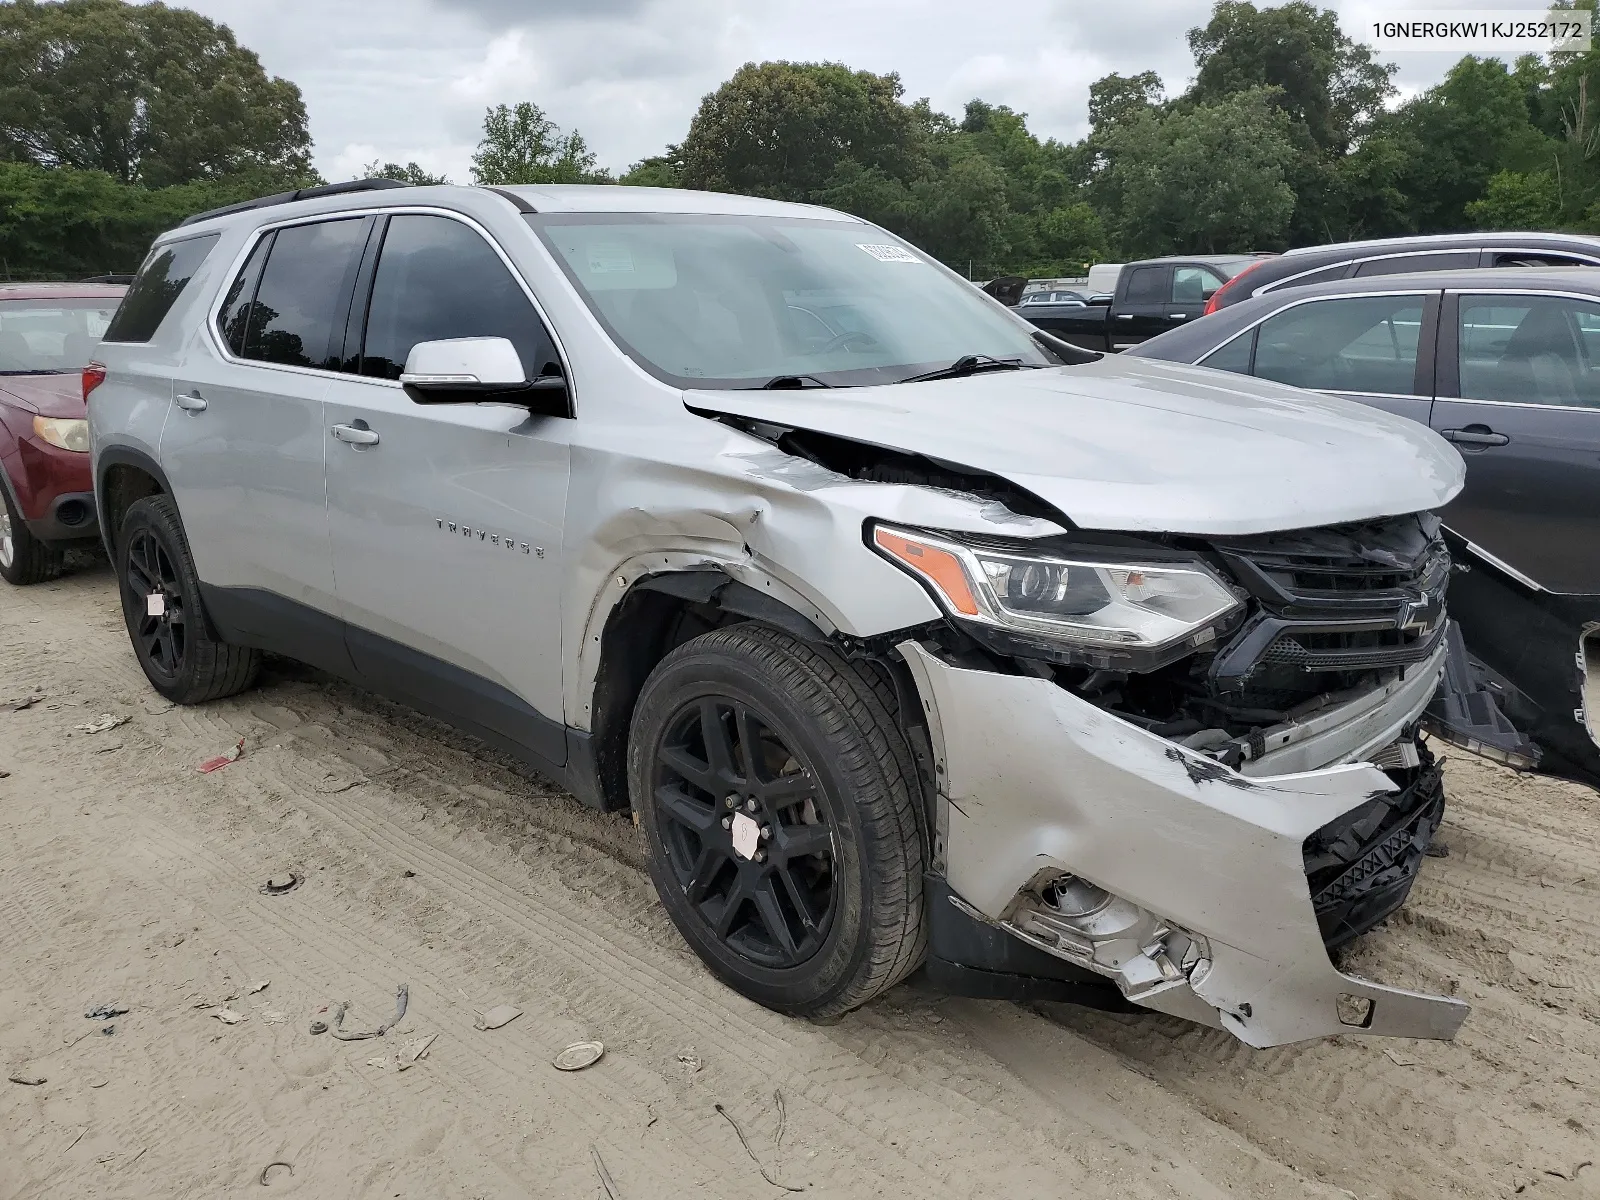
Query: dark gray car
[[1404, 255], [1504, 363]]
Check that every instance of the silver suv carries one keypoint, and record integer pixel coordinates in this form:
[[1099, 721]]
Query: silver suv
[[1067, 676]]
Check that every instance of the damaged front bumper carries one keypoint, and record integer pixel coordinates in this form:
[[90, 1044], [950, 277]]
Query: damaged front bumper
[[1183, 882]]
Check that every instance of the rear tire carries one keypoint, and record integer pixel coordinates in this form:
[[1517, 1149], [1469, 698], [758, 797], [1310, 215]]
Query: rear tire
[[822, 909], [180, 658], [24, 559]]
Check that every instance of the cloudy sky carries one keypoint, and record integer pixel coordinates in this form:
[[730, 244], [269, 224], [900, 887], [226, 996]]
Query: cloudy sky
[[409, 79]]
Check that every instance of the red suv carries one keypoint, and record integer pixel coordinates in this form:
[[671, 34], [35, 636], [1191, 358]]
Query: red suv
[[48, 335]]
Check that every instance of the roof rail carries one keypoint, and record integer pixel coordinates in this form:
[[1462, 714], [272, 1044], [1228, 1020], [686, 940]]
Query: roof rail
[[309, 193]]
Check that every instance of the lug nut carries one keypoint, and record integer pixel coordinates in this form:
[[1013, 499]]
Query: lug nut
[[731, 801], [750, 805], [727, 822], [761, 856], [766, 832]]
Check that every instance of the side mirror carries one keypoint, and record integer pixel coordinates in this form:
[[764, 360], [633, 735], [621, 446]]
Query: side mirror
[[471, 370]]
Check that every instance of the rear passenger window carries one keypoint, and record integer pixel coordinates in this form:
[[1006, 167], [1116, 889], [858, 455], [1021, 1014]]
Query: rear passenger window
[[1357, 344], [1146, 285], [300, 304], [157, 287], [1531, 350], [438, 279], [1445, 260]]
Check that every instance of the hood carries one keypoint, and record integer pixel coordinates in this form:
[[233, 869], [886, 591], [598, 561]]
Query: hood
[[1143, 446], [47, 395]]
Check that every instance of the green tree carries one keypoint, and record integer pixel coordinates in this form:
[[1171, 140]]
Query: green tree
[[1208, 178], [60, 221], [659, 170], [522, 145], [1117, 99], [786, 130], [1325, 82], [409, 173], [1458, 135], [145, 93], [1518, 200]]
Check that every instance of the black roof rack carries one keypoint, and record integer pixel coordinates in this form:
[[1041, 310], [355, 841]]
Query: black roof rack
[[310, 193]]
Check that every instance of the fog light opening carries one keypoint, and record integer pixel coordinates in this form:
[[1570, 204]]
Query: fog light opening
[[1355, 1011]]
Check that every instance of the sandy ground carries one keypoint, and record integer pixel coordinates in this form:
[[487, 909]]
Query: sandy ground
[[126, 877]]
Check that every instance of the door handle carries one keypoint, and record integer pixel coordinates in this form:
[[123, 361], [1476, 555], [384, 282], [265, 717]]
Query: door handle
[[356, 436], [1178, 316], [194, 402], [1124, 316], [1474, 435]]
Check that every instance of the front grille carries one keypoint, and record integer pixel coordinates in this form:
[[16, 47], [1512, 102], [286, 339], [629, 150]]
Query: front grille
[[1361, 867], [1332, 605]]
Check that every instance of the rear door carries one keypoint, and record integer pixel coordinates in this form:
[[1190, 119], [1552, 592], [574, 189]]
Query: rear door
[[446, 519], [1141, 306], [1519, 395], [244, 444], [1192, 286]]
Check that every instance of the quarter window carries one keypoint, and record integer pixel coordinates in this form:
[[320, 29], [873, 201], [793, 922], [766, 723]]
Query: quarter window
[[1530, 350], [297, 316], [1356, 344], [241, 295], [436, 279], [1233, 355], [157, 287]]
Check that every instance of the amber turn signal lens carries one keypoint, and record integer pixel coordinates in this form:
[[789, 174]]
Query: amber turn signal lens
[[939, 567]]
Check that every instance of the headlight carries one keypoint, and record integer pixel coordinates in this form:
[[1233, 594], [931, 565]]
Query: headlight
[[1115, 605], [64, 432]]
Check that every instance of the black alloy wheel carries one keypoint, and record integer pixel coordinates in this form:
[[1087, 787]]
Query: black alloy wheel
[[778, 803], [162, 607], [744, 832], [156, 603]]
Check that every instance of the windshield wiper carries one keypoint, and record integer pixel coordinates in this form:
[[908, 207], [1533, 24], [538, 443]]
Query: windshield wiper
[[792, 382], [967, 364]]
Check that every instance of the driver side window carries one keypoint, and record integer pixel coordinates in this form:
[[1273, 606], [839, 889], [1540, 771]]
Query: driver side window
[[438, 279], [1352, 344]]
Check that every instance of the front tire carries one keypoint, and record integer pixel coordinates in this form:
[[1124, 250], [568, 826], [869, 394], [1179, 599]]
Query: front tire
[[161, 607], [776, 796], [24, 559]]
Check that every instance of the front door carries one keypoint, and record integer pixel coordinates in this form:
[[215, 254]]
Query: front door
[[244, 442], [446, 519]]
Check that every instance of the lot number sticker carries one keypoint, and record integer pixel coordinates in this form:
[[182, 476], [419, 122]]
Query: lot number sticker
[[889, 253]]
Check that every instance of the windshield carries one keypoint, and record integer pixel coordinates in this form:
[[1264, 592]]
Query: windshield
[[40, 337], [738, 302]]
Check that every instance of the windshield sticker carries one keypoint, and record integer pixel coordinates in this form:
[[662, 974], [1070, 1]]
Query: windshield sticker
[[607, 257], [888, 253]]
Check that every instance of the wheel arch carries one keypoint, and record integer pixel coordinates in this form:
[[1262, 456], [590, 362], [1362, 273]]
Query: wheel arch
[[651, 617], [123, 475], [659, 612]]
